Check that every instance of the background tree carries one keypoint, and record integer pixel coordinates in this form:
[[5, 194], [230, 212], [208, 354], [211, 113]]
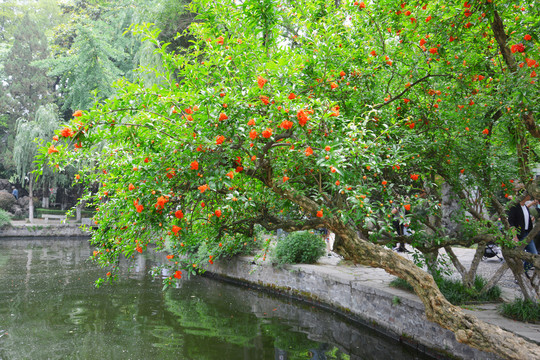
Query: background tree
[[25, 87], [30, 134]]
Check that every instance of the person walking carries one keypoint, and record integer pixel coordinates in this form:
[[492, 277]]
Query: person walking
[[15, 192], [519, 218]]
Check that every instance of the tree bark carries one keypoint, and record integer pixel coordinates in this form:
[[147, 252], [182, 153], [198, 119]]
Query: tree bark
[[467, 328], [31, 195]]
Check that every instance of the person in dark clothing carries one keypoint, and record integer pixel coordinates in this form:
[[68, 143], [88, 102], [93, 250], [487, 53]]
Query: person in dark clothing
[[519, 217], [401, 230]]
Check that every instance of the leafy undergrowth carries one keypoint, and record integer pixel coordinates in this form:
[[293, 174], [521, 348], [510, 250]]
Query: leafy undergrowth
[[522, 310], [4, 218], [455, 292]]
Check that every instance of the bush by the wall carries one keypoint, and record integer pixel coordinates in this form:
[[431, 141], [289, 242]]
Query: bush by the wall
[[4, 218], [301, 247], [522, 310], [6, 200], [457, 293]]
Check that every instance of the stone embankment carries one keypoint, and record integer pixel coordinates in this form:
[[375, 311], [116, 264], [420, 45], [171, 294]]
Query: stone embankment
[[41, 229], [364, 294]]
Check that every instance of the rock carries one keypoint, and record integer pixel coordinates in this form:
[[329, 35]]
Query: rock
[[6, 200], [17, 211], [5, 185], [23, 202]]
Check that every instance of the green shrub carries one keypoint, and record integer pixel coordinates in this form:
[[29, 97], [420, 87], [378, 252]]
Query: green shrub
[[6, 200], [4, 218], [522, 310], [455, 292], [301, 247]]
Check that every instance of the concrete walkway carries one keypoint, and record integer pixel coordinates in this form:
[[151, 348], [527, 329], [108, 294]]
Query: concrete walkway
[[379, 279]]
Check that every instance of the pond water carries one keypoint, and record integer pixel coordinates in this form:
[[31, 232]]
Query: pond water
[[50, 309]]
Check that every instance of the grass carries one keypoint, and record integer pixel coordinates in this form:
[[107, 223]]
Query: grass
[[522, 310], [455, 292]]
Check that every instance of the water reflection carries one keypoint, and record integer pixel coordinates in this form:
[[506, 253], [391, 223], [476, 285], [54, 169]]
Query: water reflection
[[50, 310]]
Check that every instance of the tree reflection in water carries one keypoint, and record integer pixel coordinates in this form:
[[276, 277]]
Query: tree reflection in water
[[52, 310]]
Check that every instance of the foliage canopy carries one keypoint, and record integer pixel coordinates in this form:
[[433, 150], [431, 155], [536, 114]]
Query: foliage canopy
[[308, 115]]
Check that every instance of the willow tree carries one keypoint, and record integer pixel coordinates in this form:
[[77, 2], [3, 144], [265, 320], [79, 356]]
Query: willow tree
[[302, 116], [30, 135]]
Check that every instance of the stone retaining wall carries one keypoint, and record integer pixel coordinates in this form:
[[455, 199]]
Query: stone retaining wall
[[401, 317], [38, 230]]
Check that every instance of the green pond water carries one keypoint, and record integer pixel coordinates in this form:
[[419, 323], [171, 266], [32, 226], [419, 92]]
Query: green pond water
[[50, 309]]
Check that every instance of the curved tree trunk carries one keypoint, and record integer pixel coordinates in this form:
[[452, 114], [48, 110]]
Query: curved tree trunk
[[467, 328]]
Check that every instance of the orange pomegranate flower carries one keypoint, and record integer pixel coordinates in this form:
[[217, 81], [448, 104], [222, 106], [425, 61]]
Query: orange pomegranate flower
[[178, 274], [139, 208], [131, 187], [169, 257], [261, 81], [267, 133], [217, 212], [66, 132], [161, 201], [333, 85], [265, 100], [292, 96], [414, 177], [309, 151], [220, 40], [176, 229], [320, 213], [195, 165], [251, 122], [285, 178], [77, 113], [302, 117], [222, 117], [530, 62], [171, 174], [286, 124], [52, 149], [203, 188], [179, 214], [407, 207], [230, 174], [220, 139]]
